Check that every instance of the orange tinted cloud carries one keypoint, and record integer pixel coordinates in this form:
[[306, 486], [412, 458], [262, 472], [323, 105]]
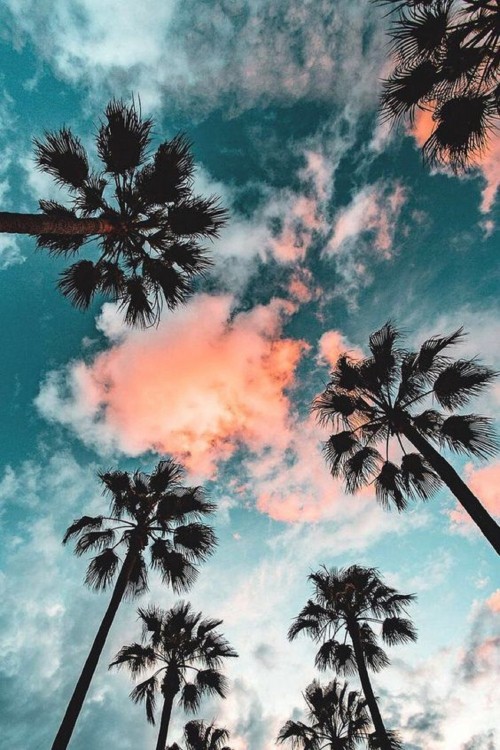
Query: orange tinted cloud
[[485, 484], [493, 602], [195, 387], [332, 344]]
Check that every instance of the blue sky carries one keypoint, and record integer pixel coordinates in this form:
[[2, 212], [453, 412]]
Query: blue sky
[[335, 227]]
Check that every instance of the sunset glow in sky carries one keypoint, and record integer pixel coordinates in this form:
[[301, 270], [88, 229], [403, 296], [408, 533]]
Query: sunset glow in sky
[[335, 228]]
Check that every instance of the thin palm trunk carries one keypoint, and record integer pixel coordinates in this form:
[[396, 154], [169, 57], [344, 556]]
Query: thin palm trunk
[[47, 224], [465, 497], [364, 678], [75, 705], [166, 713]]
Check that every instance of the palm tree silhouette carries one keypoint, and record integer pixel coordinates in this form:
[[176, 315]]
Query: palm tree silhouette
[[147, 511], [374, 400], [142, 212], [447, 56], [175, 641], [347, 603], [338, 719], [201, 736]]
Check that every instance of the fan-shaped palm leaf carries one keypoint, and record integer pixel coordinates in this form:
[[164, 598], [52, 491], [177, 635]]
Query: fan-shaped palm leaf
[[469, 433], [456, 384], [63, 157]]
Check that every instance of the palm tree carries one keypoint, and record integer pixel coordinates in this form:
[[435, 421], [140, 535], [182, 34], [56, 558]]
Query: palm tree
[[147, 511], [175, 641], [338, 719], [447, 58], [347, 604], [141, 211], [379, 398], [201, 736]]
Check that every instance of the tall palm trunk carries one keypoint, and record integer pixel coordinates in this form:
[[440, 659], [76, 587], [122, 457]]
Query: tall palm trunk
[[75, 705], [170, 688], [166, 713], [47, 224], [465, 497], [364, 678]]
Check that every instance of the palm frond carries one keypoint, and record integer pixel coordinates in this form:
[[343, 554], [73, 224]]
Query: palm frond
[[463, 124], [429, 423], [80, 282], [427, 357], [198, 216], [174, 567], [85, 523], [346, 374], [332, 406], [359, 468], [469, 433], [375, 657], [168, 179], [397, 630], [211, 682], [388, 487], [95, 540], [197, 541], [337, 656], [190, 697], [167, 475], [417, 476], [163, 279], [138, 577], [89, 199], [421, 33], [460, 381], [381, 345], [146, 691], [406, 89], [62, 156], [136, 657], [183, 504], [338, 448], [138, 308], [102, 569], [188, 256], [122, 140], [301, 736]]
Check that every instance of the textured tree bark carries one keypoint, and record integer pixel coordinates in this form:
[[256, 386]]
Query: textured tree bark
[[75, 705], [364, 678], [165, 721], [45, 224], [465, 497]]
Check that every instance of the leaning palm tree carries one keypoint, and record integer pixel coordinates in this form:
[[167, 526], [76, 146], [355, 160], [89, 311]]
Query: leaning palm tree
[[346, 606], [380, 399], [201, 736], [139, 209], [446, 60], [153, 512], [175, 641], [338, 719]]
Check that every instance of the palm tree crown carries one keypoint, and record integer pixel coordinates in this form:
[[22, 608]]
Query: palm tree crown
[[149, 249], [175, 641], [350, 610], [199, 735], [152, 511], [447, 56], [338, 719], [378, 400], [344, 598]]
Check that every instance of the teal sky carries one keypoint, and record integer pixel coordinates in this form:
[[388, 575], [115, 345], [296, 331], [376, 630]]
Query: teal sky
[[335, 228]]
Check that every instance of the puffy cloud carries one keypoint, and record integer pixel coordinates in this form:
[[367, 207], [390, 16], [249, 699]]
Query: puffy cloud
[[493, 601], [332, 344], [198, 53], [485, 484], [196, 387], [374, 210], [10, 252]]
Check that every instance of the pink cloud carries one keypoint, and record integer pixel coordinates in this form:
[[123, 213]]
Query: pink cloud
[[195, 387], [375, 210], [485, 484], [332, 344], [493, 601], [302, 287]]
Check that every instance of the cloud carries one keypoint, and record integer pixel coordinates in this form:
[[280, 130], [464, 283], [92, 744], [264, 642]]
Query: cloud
[[493, 602], [198, 54], [195, 387], [10, 252], [485, 484], [374, 210]]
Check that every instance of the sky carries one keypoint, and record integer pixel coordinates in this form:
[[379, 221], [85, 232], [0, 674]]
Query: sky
[[336, 227]]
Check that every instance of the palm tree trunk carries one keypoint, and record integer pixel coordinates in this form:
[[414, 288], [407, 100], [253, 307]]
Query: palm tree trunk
[[364, 678], [166, 712], [75, 705], [47, 224], [465, 497]]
